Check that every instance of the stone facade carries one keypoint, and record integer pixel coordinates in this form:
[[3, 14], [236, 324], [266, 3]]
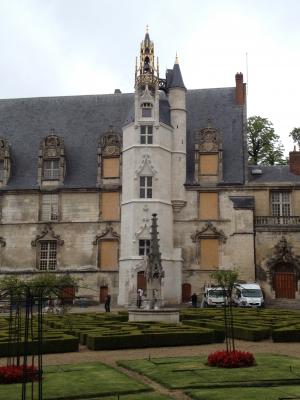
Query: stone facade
[[79, 199]]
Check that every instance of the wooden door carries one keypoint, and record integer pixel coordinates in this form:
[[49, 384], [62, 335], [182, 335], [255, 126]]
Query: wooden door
[[103, 293], [285, 285], [67, 295], [186, 291], [141, 281]]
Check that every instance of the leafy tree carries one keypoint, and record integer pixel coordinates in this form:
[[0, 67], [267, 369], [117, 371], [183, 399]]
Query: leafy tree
[[295, 135], [226, 279], [264, 145]]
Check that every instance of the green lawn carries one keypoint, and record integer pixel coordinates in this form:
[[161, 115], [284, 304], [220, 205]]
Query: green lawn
[[139, 396], [81, 381], [253, 393], [184, 373]]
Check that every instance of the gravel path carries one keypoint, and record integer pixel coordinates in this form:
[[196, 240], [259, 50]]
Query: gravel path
[[111, 356]]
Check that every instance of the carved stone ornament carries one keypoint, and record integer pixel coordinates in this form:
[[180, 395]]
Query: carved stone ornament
[[145, 168], [208, 139], [4, 148], [283, 254], [52, 146], [47, 234], [110, 144], [2, 242], [209, 231], [107, 233], [5, 161]]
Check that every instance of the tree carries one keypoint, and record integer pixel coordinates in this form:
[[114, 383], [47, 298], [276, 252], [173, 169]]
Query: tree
[[295, 135], [264, 145], [226, 280]]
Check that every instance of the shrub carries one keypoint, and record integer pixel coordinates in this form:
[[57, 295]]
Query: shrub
[[231, 359], [14, 374]]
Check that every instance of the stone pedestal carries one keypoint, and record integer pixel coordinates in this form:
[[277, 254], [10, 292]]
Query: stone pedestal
[[169, 315]]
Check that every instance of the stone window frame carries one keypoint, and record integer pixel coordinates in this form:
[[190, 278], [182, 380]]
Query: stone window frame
[[147, 109], [208, 142], [209, 231], [47, 258], [52, 149], [101, 203], [146, 137], [146, 187], [41, 219], [109, 146], [5, 159], [144, 248], [281, 202], [108, 234], [218, 205], [47, 235]]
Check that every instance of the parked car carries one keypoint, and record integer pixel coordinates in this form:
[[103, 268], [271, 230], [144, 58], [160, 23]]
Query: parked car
[[248, 295], [213, 297]]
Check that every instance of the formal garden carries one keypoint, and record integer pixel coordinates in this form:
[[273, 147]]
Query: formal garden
[[27, 333]]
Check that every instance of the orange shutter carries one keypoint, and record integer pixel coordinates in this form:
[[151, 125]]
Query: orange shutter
[[108, 255], [208, 164], [209, 253], [208, 206], [110, 206], [111, 167]]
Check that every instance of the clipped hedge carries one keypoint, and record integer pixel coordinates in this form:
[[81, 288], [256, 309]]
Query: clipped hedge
[[50, 345], [152, 339], [288, 334]]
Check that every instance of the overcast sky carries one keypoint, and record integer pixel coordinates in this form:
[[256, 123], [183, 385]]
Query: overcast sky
[[70, 47]]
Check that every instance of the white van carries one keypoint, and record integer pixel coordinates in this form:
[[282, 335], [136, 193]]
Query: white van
[[213, 297], [248, 295]]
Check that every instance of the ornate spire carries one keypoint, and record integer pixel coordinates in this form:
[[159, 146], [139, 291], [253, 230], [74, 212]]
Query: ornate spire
[[154, 270], [146, 71]]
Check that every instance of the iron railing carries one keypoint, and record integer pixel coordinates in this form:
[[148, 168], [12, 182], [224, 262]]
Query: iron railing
[[275, 221]]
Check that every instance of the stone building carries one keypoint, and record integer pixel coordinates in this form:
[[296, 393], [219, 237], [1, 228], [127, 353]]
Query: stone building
[[80, 177]]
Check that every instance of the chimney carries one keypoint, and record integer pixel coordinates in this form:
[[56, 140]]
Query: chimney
[[295, 161], [240, 89]]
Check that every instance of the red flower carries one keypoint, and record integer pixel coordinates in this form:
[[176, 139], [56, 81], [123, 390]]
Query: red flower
[[231, 359], [14, 374]]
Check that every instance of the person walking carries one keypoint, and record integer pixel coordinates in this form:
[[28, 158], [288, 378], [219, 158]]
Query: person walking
[[139, 298], [107, 303]]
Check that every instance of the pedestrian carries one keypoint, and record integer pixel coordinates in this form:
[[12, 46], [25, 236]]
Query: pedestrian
[[139, 298], [107, 303], [194, 300]]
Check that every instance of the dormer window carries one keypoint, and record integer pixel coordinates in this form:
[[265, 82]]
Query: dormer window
[[52, 163], [51, 169], [146, 110], [4, 162], [146, 134], [109, 158]]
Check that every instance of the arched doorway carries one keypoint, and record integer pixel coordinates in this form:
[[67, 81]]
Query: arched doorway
[[186, 292], [284, 281]]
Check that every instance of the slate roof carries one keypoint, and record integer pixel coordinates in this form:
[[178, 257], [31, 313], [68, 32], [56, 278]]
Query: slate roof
[[81, 120], [174, 77], [218, 106], [274, 173]]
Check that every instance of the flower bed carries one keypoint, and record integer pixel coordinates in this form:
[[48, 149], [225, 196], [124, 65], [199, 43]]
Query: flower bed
[[231, 359], [14, 374]]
